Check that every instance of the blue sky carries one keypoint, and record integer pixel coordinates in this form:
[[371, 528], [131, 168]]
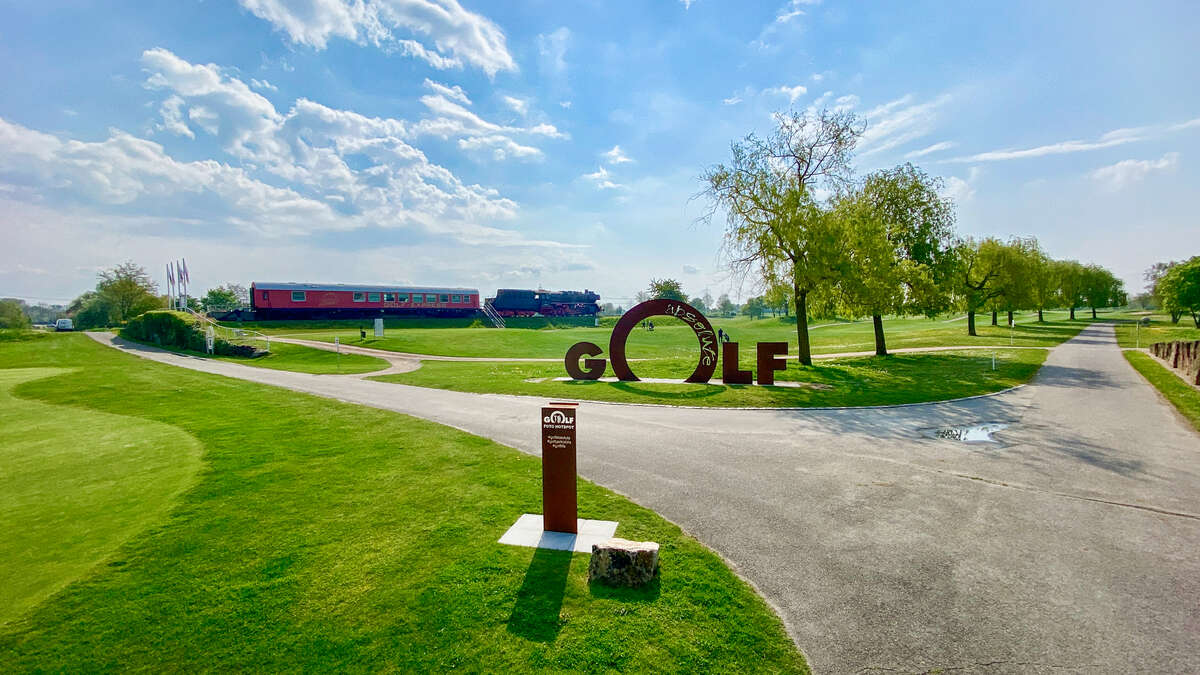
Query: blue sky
[[514, 144]]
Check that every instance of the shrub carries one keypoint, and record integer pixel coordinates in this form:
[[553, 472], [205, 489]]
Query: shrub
[[179, 330]]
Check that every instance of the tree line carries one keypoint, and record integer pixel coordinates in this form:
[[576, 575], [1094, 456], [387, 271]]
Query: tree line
[[1175, 288], [798, 220]]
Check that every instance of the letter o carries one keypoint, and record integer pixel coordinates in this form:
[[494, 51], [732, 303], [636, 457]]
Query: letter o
[[706, 364]]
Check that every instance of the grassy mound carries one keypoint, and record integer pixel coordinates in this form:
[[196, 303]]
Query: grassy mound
[[179, 330], [333, 537]]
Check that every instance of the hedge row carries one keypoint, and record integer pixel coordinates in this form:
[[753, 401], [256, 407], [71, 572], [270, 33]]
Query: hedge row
[[168, 328]]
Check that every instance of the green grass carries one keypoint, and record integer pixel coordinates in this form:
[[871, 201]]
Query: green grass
[[300, 359], [900, 378], [1160, 330], [672, 339], [74, 485], [1183, 396], [327, 536]]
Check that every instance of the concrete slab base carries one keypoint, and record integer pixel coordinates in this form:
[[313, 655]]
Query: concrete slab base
[[527, 531]]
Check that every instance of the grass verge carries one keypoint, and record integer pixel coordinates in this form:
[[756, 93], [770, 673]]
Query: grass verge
[[900, 378], [1160, 329], [299, 359], [1185, 398], [674, 340], [328, 536]]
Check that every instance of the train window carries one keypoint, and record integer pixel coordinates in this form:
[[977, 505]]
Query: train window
[[264, 295], [360, 297], [456, 298], [372, 297], [430, 298], [389, 297], [403, 297], [297, 296], [445, 298]]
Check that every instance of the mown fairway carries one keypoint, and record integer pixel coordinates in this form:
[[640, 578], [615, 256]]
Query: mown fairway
[[902, 378], [672, 339], [315, 535], [1160, 329], [301, 359]]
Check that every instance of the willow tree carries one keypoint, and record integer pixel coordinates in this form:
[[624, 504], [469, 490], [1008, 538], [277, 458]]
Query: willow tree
[[901, 249], [776, 226]]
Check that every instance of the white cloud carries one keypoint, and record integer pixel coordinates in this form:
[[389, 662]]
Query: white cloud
[[929, 150], [602, 179], [792, 93], [553, 50], [1111, 139], [1130, 171], [687, 4], [615, 156], [565, 104], [172, 117], [1185, 125], [962, 190], [691, 269], [262, 84], [732, 100], [311, 169], [457, 35], [520, 106], [451, 92], [899, 122], [785, 16]]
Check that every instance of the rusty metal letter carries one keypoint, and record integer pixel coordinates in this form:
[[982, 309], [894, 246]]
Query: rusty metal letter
[[767, 363], [729, 366], [705, 334], [593, 368], [558, 468]]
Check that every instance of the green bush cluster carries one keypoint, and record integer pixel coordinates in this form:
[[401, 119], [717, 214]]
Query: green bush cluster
[[168, 328]]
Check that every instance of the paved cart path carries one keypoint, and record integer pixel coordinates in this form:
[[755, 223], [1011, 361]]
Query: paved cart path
[[1072, 546]]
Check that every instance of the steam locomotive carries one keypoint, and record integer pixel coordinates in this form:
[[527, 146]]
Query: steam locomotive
[[520, 302]]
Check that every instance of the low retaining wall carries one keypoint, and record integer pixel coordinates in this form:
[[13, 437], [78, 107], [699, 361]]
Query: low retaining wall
[[1182, 356]]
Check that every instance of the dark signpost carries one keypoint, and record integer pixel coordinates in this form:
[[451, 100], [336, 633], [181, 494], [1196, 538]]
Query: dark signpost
[[767, 353], [558, 468]]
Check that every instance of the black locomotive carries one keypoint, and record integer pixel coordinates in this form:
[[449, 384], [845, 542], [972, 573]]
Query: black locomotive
[[521, 302]]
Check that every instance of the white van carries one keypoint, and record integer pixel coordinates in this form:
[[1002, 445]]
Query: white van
[[64, 324]]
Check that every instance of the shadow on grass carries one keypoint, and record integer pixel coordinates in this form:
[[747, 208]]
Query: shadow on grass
[[535, 613], [647, 593], [703, 391]]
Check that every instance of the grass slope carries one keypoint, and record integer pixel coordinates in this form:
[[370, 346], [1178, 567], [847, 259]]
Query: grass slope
[[1160, 329], [74, 485], [901, 378], [301, 359], [1184, 397], [672, 340], [328, 536]]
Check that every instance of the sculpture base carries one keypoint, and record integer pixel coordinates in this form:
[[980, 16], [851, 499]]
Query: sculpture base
[[527, 531]]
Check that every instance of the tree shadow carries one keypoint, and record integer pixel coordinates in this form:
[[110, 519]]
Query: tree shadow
[[539, 602], [702, 391]]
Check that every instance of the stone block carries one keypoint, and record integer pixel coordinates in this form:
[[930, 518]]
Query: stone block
[[620, 562]]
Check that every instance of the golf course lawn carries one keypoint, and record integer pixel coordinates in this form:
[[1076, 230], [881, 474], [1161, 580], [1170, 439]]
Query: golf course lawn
[[900, 378], [243, 527], [301, 359], [673, 339], [1160, 329]]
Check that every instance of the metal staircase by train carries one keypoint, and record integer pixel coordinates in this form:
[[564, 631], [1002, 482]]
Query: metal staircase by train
[[490, 313]]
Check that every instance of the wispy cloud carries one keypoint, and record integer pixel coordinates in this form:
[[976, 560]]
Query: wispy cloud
[[1111, 139], [602, 179], [1130, 171], [615, 156], [732, 100], [898, 122], [936, 147], [792, 93]]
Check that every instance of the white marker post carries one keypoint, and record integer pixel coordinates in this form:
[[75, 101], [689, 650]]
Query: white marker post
[[378, 328], [337, 347]]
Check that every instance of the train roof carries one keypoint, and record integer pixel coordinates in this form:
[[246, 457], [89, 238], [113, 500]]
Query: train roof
[[366, 288]]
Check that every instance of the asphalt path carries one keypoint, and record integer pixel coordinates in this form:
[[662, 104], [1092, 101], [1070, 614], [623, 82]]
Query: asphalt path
[[1071, 545]]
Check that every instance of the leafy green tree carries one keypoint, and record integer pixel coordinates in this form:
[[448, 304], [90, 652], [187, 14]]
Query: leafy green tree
[[1072, 281], [984, 267], [1101, 288], [1179, 289], [775, 226], [1018, 274], [698, 303], [12, 314], [725, 306], [1045, 283], [902, 251], [127, 290], [225, 296], [754, 308], [666, 289]]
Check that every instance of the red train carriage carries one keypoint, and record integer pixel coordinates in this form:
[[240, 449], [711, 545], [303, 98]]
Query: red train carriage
[[348, 301]]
